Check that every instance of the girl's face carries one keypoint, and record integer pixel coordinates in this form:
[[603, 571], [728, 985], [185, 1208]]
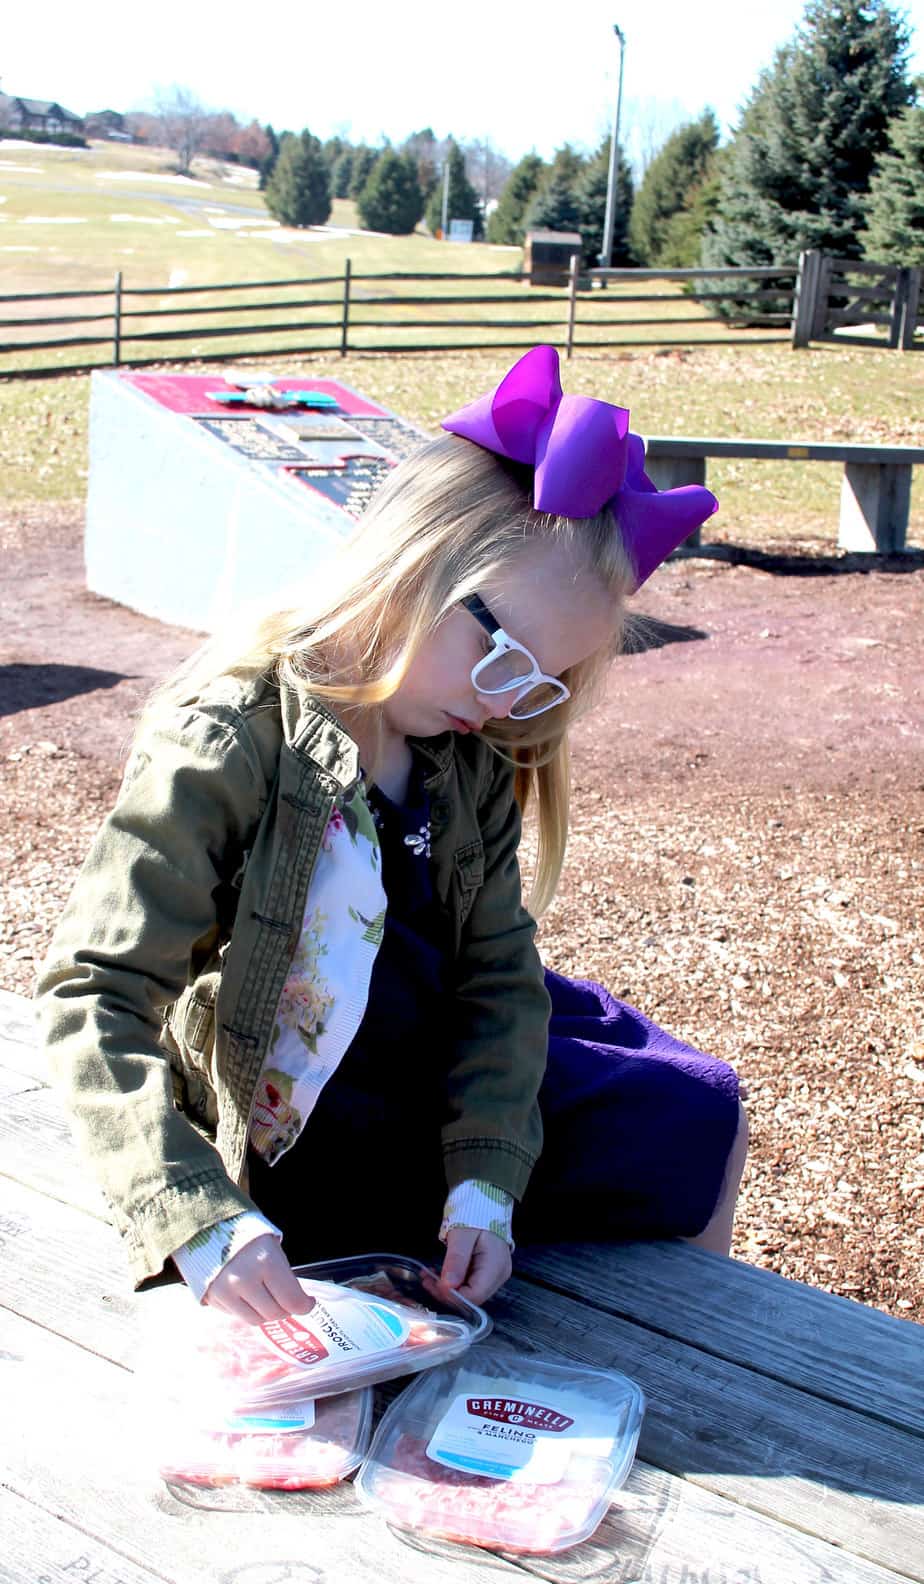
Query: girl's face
[[546, 600]]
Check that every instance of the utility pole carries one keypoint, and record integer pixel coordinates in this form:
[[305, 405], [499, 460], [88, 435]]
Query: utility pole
[[445, 212], [610, 220]]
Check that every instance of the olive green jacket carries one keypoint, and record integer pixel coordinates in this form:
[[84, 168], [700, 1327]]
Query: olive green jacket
[[159, 992]]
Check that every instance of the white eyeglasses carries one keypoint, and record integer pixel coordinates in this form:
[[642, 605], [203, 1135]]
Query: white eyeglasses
[[510, 665]]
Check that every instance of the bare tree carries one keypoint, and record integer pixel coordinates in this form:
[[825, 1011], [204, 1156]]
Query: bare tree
[[487, 168], [184, 122]]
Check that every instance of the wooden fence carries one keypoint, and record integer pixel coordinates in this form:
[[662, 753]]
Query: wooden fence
[[836, 295], [124, 325]]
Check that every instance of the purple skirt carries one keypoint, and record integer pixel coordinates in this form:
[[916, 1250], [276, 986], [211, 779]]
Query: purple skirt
[[638, 1126], [638, 1130]]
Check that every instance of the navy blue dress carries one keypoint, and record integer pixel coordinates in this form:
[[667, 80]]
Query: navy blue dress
[[638, 1126]]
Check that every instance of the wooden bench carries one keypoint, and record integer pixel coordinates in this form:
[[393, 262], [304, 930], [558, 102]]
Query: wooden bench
[[875, 492], [783, 1441]]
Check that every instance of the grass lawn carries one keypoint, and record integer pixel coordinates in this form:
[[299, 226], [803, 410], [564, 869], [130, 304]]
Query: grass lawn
[[70, 218]]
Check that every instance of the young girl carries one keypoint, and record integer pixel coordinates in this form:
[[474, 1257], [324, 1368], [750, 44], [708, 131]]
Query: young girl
[[294, 1003]]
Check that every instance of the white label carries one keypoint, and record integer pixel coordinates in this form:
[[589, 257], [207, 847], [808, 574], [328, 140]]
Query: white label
[[344, 1328], [273, 1421], [515, 1430]]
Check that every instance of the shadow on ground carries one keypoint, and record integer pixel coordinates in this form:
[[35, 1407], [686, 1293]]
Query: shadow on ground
[[25, 687], [787, 564]]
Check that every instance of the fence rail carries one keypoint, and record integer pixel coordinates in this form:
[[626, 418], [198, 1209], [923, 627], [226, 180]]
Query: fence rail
[[815, 301]]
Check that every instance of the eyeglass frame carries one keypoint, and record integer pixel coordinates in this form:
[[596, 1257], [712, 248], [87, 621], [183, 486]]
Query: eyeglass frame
[[502, 644]]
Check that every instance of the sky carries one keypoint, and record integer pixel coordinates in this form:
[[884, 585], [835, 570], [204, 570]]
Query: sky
[[524, 77]]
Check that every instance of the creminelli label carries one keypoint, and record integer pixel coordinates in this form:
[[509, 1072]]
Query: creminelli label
[[337, 1329], [515, 1431]]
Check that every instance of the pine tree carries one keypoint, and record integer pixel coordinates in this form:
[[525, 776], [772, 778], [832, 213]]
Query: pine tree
[[506, 223], [555, 206], [895, 216], [343, 174], [363, 160], [668, 187], [591, 199], [298, 191], [391, 199], [801, 161], [267, 165], [463, 199]]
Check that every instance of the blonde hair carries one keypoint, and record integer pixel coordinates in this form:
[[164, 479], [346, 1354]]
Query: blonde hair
[[447, 518]]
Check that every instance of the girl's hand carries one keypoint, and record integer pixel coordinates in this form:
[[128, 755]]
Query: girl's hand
[[257, 1284], [476, 1263]]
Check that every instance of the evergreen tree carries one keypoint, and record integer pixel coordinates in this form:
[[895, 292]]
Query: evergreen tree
[[267, 164], [895, 217], [391, 199], [591, 199], [298, 191], [506, 223], [555, 205], [343, 174], [675, 174], [463, 199], [801, 161], [363, 160]]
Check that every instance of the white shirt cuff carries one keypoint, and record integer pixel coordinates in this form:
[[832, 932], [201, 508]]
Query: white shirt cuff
[[201, 1259], [479, 1204]]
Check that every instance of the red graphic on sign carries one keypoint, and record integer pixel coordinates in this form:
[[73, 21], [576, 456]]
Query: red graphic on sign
[[294, 1341], [511, 1410], [188, 393]]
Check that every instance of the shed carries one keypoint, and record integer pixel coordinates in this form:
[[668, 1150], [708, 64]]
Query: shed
[[547, 256]]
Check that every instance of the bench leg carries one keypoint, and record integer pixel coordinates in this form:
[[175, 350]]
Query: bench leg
[[670, 473], [875, 501]]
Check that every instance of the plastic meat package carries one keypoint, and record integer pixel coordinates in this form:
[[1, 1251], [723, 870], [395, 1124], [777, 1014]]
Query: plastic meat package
[[306, 1446], [372, 1317], [504, 1451]]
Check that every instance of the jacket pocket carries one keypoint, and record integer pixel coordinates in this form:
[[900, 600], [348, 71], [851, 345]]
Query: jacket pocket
[[468, 869], [191, 1021]]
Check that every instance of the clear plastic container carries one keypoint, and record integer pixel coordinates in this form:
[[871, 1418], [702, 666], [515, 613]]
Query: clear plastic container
[[504, 1451], [373, 1317], [306, 1446]]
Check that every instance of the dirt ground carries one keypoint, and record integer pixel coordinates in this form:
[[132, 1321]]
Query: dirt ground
[[746, 865]]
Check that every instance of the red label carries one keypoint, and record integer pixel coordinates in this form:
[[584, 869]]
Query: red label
[[294, 1342], [510, 1410]]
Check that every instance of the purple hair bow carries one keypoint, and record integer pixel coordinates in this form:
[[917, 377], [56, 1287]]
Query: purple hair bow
[[584, 458]]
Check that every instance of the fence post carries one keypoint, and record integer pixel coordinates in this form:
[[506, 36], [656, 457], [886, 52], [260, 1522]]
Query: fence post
[[117, 321], [821, 294], [910, 308], [803, 304], [572, 300], [347, 272]]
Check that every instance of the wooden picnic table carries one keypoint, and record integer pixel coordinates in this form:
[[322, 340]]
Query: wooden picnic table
[[783, 1441]]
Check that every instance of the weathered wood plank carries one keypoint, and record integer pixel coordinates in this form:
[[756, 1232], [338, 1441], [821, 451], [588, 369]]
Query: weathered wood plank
[[37, 1546], [37, 1149], [834, 1473], [849, 1480], [661, 1529], [830, 1346]]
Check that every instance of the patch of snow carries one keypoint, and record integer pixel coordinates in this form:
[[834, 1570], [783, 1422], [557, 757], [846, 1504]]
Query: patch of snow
[[142, 219], [54, 220], [192, 233], [178, 277]]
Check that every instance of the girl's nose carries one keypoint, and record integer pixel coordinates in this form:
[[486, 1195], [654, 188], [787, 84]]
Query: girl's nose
[[496, 706]]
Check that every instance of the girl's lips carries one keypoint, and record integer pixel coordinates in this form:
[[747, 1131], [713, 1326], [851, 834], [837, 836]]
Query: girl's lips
[[458, 724]]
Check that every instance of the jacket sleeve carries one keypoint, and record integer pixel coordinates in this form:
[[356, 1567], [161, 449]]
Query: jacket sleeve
[[141, 917], [493, 1130]]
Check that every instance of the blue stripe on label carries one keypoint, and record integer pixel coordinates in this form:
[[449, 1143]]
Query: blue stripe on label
[[474, 1465]]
